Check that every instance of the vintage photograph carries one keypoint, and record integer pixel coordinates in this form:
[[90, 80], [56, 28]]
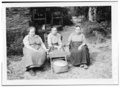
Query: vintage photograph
[[59, 42]]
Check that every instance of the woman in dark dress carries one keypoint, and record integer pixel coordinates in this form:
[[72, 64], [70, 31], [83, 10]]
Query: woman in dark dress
[[79, 51]]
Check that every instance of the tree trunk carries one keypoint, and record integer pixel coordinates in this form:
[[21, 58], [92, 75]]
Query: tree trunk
[[92, 14]]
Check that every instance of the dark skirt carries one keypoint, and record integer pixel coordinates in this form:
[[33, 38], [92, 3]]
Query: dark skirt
[[78, 57]]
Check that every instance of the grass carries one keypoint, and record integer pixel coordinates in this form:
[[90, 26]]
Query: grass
[[17, 22], [101, 64]]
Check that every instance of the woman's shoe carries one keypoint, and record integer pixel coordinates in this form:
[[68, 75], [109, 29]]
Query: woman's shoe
[[81, 66], [29, 68], [32, 73], [85, 66]]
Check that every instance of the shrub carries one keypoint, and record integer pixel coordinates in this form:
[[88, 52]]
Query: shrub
[[14, 42], [99, 30], [17, 21]]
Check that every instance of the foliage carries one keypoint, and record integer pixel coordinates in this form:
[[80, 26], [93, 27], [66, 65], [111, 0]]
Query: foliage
[[103, 13], [17, 21], [100, 31]]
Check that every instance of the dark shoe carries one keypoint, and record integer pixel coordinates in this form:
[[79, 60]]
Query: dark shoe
[[29, 68]]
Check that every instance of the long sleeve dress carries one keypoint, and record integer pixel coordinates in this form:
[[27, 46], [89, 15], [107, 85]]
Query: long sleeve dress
[[31, 57], [78, 57], [54, 40]]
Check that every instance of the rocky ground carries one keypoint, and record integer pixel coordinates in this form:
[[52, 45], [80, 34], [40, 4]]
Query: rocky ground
[[101, 64]]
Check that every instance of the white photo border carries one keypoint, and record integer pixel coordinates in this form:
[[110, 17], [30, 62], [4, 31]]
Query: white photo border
[[115, 62]]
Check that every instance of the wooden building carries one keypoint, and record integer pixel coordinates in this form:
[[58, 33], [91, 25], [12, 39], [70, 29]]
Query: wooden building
[[43, 18], [48, 16]]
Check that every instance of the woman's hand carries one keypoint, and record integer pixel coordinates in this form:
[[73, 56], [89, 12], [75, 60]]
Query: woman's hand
[[59, 47], [35, 50], [55, 46], [47, 50], [80, 47], [68, 44]]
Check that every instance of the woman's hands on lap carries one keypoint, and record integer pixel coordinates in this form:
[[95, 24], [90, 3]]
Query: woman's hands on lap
[[80, 47], [35, 50]]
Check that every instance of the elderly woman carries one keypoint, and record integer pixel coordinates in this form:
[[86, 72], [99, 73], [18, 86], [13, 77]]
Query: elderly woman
[[34, 51], [54, 39], [78, 49]]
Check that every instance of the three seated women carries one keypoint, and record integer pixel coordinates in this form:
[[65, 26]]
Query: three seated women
[[35, 51]]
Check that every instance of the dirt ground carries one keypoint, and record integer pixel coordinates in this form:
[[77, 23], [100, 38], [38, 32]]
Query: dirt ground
[[101, 64]]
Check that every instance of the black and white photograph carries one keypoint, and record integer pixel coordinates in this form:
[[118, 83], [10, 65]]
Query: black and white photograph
[[60, 41]]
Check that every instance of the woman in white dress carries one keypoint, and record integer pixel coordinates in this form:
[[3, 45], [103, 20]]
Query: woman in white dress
[[54, 40], [34, 51]]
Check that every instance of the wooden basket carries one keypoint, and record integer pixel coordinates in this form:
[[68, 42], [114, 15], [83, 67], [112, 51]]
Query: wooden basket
[[60, 66]]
